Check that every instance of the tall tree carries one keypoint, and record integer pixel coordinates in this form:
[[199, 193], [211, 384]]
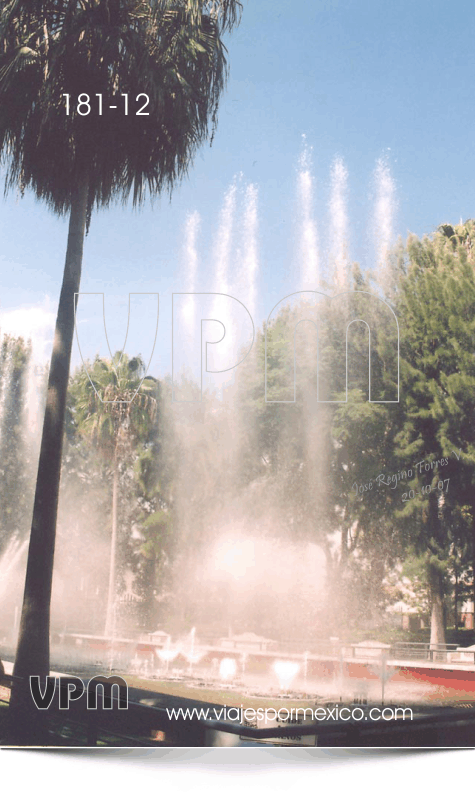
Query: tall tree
[[115, 407], [437, 303], [76, 159], [152, 547]]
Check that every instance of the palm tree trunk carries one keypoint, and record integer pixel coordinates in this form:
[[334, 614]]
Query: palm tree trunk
[[111, 591], [28, 724]]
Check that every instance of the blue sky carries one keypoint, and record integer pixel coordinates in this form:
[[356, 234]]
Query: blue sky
[[360, 79]]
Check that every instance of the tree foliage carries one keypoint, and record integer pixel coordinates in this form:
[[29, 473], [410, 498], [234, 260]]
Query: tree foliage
[[170, 50]]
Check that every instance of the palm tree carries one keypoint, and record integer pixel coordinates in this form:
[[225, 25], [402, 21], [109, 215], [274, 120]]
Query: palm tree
[[155, 524], [170, 50], [115, 409]]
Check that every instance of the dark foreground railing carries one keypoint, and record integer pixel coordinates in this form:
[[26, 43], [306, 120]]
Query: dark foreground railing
[[143, 725]]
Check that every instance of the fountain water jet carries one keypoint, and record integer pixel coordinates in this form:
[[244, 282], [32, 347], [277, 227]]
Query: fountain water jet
[[253, 514], [223, 242], [383, 220], [7, 357], [308, 250], [250, 266], [9, 561], [339, 224], [192, 227], [286, 672], [227, 669], [168, 653]]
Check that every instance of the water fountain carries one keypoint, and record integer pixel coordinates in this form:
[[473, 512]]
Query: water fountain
[[305, 668], [242, 515], [286, 672], [190, 256], [339, 261], [227, 669], [9, 561], [192, 654], [310, 275], [21, 379], [383, 671], [268, 574], [383, 221], [168, 653]]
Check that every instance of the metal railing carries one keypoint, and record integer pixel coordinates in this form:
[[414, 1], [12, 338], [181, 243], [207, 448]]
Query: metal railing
[[404, 651]]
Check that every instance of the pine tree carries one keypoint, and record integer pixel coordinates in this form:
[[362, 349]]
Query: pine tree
[[437, 307]]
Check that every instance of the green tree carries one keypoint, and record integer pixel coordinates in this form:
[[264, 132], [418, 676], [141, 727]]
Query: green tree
[[304, 457], [153, 551], [114, 405], [14, 455], [437, 304], [147, 508], [173, 52], [83, 532], [363, 440], [370, 542]]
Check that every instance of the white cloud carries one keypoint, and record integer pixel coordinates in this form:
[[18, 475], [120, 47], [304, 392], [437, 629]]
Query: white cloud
[[35, 323]]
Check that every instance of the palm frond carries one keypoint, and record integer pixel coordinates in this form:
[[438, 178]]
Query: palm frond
[[170, 50], [113, 403]]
